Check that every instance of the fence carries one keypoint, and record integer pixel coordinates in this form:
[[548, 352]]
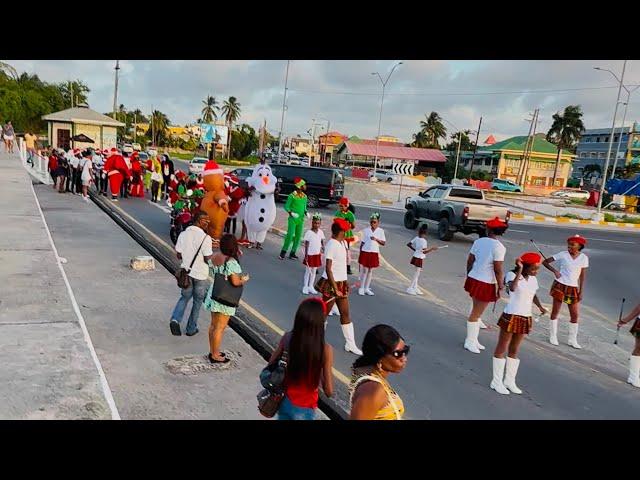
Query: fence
[[40, 167]]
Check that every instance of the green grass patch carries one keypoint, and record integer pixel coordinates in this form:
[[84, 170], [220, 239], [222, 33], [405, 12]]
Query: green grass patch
[[577, 201], [572, 215], [608, 217]]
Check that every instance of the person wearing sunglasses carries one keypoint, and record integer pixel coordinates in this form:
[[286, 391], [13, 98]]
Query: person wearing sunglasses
[[372, 398]]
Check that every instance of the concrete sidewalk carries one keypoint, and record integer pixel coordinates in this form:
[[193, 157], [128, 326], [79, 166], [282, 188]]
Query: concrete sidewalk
[[47, 370], [153, 375]]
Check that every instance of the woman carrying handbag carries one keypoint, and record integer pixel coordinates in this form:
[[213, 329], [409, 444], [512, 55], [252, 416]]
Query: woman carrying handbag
[[224, 294]]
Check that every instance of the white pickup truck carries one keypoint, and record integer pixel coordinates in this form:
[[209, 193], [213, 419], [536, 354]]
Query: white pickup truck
[[455, 208]]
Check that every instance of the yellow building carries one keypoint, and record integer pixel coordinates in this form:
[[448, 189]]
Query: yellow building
[[66, 124]]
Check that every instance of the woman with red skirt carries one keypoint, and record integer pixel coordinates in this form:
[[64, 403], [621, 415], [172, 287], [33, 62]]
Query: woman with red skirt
[[484, 278], [372, 238], [515, 322]]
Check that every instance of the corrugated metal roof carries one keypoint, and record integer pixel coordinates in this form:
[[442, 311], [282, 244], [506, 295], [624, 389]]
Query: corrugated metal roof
[[79, 115], [604, 131], [399, 153]]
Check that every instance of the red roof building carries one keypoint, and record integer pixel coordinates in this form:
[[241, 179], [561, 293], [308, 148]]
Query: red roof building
[[363, 153]]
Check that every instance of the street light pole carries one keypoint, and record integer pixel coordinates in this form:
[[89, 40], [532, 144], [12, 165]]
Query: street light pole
[[613, 127], [384, 85], [284, 102], [624, 118], [455, 172]]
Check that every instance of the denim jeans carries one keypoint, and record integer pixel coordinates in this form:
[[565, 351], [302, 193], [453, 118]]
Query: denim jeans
[[288, 411], [197, 290]]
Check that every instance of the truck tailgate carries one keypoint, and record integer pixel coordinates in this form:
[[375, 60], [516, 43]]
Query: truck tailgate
[[484, 212]]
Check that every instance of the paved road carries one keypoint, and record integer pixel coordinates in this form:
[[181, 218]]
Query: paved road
[[442, 381]]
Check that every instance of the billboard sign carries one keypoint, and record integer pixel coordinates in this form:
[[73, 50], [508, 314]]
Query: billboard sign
[[207, 133]]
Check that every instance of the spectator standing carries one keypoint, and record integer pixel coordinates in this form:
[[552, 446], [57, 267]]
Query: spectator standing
[[30, 142], [9, 135]]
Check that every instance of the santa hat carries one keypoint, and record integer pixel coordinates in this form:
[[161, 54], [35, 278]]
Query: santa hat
[[76, 150], [180, 174], [530, 258], [212, 168], [496, 223], [577, 239], [113, 151], [344, 201]]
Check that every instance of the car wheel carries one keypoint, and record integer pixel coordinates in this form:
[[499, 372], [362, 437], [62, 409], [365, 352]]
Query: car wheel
[[389, 180], [312, 201], [410, 221], [444, 233]]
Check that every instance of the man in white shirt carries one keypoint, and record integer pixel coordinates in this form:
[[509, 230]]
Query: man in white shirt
[[193, 246]]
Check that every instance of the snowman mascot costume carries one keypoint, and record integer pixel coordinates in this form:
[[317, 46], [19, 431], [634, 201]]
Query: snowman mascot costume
[[260, 209]]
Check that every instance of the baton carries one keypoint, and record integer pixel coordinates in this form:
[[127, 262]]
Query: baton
[[615, 342], [537, 248]]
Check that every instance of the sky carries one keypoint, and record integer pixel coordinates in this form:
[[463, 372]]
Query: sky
[[346, 94]]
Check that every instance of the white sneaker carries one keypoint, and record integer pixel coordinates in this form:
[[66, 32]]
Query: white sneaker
[[419, 292], [411, 291], [361, 291], [305, 290], [369, 292]]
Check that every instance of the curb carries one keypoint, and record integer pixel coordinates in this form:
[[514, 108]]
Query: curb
[[539, 218], [264, 347]]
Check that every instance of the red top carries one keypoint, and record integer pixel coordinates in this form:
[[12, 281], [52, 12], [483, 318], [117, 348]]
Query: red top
[[301, 395], [53, 162]]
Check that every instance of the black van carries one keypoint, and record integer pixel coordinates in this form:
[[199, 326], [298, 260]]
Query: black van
[[324, 185]]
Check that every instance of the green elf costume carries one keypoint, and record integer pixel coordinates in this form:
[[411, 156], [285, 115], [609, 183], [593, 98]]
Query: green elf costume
[[296, 207]]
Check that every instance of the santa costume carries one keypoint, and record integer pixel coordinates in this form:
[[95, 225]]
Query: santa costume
[[260, 210], [116, 169], [369, 258], [313, 242], [235, 194], [137, 185], [566, 286]]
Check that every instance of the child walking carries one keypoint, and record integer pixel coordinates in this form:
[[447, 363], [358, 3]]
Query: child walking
[[420, 250], [372, 238], [313, 242]]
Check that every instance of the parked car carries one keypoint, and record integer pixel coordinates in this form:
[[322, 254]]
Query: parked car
[[143, 157], [136, 146], [505, 185], [383, 175], [242, 173], [196, 164], [455, 208], [324, 185], [582, 194]]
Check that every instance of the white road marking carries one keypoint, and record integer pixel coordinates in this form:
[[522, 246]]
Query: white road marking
[[103, 379], [612, 241], [519, 231], [161, 207]]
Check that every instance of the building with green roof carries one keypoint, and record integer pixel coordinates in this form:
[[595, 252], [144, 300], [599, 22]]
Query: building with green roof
[[505, 160]]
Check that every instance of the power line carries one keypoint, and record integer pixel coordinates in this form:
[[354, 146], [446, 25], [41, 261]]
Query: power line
[[520, 92]]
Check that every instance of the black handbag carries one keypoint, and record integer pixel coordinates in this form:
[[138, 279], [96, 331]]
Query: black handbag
[[223, 291], [182, 275], [272, 379]]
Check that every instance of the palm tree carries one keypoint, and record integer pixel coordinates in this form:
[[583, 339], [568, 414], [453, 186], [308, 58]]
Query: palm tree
[[209, 111], [565, 132], [231, 111], [158, 127], [420, 140], [8, 70], [433, 129]]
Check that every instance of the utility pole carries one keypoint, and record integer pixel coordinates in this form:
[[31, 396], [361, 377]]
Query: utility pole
[[326, 140], [475, 149], [153, 135], [455, 172], [135, 127], [115, 92], [525, 149], [613, 128], [71, 92], [284, 106], [528, 157]]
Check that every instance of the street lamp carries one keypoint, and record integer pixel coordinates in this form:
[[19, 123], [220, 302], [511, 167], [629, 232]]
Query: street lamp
[[613, 128], [326, 136], [384, 85]]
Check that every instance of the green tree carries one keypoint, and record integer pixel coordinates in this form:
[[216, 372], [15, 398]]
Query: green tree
[[231, 111], [465, 142], [565, 132], [79, 90], [209, 113], [157, 131], [244, 142], [420, 140], [433, 129]]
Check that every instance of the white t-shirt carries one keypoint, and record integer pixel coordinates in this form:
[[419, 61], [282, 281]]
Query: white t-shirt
[[336, 252], [315, 241], [486, 250], [370, 245], [521, 300], [570, 268], [74, 161], [187, 244], [419, 244]]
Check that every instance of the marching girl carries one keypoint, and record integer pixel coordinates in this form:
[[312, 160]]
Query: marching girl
[[313, 242], [345, 212], [420, 251], [634, 362], [484, 278], [515, 321], [568, 286], [372, 238]]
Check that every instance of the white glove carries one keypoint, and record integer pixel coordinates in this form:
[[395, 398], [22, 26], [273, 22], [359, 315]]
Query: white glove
[[294, 215], [306, 214]]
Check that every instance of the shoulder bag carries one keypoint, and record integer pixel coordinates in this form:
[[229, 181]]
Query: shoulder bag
[[223, 291], [182, 275], [272, 379]]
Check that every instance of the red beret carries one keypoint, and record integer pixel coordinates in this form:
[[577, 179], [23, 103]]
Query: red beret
[[530, 258], [577, 239], [496, 223], [344, 201], [342, 223]]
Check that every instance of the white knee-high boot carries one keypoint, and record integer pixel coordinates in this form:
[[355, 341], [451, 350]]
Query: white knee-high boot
[[305, 282], [471, 342], [363, 280], [350, 342], [480, 322], [368, 278], [553, 332], [498, 373], [573, 336], [634, 371], [510, 375], [312, 280]]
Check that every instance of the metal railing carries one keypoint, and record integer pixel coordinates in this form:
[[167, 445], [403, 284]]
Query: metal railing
[[40, 166]]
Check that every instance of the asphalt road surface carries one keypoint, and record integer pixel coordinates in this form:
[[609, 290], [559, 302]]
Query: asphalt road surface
[[442, 380]]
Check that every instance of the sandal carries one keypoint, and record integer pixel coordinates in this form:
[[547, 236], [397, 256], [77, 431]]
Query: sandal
[[213, 360]]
